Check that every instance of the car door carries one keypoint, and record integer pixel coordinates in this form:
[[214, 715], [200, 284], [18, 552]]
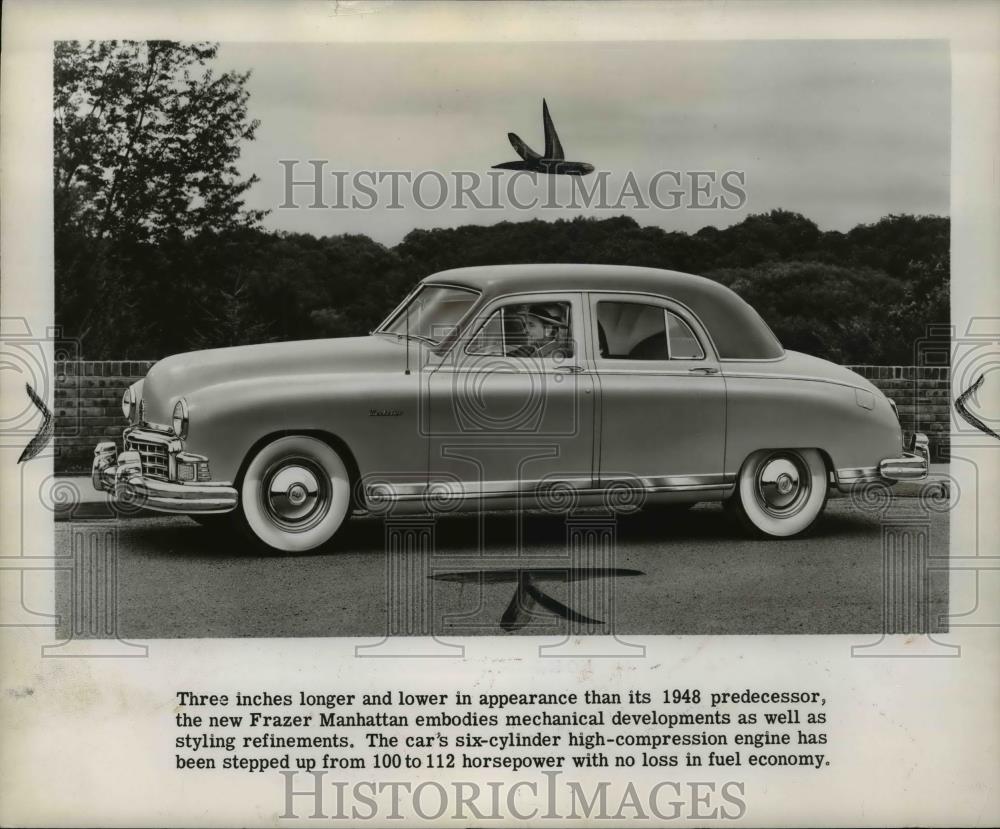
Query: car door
[[662, 398], [508, 416]]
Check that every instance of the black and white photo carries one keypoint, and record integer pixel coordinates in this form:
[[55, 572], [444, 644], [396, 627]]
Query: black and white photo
[[534, 413]]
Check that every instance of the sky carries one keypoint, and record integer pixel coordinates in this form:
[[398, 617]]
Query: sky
[[843, 132]]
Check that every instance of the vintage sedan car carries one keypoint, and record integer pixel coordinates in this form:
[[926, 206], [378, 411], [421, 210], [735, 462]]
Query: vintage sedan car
[[520, 386]]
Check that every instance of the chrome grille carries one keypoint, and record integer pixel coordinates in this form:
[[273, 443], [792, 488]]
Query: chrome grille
[[154, 455]]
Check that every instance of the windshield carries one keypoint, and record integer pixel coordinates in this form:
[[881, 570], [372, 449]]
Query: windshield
[[431, 313]]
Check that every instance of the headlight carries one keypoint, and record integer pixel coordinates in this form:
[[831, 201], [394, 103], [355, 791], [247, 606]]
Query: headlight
[[180, 421], [128, 404]]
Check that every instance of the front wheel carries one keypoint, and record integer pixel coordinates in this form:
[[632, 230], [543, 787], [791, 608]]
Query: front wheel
[[295, 494], [780, 492]]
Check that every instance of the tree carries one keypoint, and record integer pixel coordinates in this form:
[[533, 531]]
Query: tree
[[832, 312], [146, 140], [229, 320]]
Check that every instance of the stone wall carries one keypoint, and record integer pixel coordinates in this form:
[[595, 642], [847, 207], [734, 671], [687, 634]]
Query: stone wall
[[88, 404], [88, 407], [923, 397]]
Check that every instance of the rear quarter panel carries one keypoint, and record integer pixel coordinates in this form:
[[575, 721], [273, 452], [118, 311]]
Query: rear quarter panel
[[773, 412]]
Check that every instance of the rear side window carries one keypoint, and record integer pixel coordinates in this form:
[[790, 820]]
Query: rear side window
[[635, 331], [631, 331]]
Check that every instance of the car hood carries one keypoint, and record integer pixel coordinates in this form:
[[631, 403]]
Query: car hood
[[193, 371]]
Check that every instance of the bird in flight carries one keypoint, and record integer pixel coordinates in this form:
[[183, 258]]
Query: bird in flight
[[552, 161], [37, 443]]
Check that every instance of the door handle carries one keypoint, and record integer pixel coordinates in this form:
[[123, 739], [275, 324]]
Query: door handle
[[569, 369], [703, 370]]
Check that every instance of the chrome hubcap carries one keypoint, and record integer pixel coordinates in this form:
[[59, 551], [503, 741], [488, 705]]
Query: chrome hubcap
[[782, 485], [295, 494]]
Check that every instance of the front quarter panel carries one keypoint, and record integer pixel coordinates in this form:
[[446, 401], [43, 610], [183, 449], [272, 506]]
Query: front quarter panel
[[771, 412]]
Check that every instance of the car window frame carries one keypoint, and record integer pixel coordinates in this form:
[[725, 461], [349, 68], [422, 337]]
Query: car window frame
[[481, 328], [670, 346], [578, 323], [667, 305], [446, 342]]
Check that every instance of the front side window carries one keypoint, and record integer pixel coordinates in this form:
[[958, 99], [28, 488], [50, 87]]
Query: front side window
[[432, 313], [542, 329], [635, 331]]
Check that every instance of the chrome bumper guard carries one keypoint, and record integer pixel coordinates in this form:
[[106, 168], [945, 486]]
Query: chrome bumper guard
[[121, 475], [913, 466]]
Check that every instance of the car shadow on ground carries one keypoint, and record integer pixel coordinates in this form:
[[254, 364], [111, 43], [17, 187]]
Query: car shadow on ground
[[493, 532]]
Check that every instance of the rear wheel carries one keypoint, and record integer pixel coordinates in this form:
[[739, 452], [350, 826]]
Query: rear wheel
[[295, 494], [780, 492]]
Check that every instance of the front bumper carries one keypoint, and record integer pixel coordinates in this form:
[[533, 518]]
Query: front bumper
[[912, 466], [121, 474]]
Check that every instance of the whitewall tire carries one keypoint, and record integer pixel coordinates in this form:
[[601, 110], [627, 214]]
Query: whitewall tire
[[295, 494], [780, 492]]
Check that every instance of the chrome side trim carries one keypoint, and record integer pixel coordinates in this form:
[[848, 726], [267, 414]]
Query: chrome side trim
[[746, 375], [612, 370], [846, 478], [672, 483], [387, 491], [538, 365]]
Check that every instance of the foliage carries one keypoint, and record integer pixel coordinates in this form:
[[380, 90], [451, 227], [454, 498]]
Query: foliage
[[156, 252], [146, 140], [860, 297]]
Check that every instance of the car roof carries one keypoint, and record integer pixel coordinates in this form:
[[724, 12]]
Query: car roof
[[503, 279], [736, 329]]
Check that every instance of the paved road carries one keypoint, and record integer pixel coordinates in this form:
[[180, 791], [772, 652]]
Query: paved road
[[693, 574]]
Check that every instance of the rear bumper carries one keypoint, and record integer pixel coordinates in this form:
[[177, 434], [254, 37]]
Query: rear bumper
[[120, 474], [907, 468], [912, 466]]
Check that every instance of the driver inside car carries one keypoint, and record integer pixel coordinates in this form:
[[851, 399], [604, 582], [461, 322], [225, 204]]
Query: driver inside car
[[544, 332]]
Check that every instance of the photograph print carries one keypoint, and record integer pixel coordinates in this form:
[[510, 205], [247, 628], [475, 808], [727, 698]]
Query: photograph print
[[492, 339]]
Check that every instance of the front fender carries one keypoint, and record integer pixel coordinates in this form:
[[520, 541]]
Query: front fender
[[374, 415]]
